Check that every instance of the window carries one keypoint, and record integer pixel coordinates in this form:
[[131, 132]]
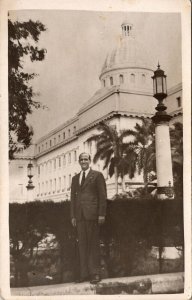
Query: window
[[42, 147], [59, 138], [64, 135], [20, 167], [59, 183], [132, 78], [42, 187], [39, 149], [38, 188], [143, 78], [69, 132], [111, 80], [46, 145], [179, 101], [90, 147], [121, 79], [50, 143], [64, 182], [69, 183], [75, 155], [69, 158], [104, 83], [54, 164], [59, 162], [50, 185], [64, 160], [50, 166], [74, 129], [38, 170], [55, 184], [54, 141]]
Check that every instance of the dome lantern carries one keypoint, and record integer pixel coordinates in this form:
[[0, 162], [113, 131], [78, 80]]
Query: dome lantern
[[127, 29]]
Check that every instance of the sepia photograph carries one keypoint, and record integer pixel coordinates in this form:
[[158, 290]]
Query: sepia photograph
[[95, 156]]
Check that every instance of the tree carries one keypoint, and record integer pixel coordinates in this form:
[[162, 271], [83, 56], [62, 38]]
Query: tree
[[176, 137], [21, 37], [114, 151], [144, 147]]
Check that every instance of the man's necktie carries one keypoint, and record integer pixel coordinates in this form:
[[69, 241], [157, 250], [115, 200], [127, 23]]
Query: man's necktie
[[83, 179]]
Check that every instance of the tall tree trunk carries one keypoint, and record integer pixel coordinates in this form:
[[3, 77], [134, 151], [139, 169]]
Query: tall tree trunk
[[123, 182], [145, 179], [116, 179]]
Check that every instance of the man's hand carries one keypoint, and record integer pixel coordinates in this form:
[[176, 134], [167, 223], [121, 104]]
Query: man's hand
[[73, 221], [101, 220]]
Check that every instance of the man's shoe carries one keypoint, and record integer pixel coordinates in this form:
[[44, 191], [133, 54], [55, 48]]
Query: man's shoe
[[95, 279]]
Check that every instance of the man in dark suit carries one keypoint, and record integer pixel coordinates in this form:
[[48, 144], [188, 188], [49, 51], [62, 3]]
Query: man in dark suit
[[88, 210]]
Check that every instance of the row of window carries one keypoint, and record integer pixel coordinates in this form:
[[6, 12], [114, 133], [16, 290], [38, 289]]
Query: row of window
[[57, 162], [56, 185], [122, 79], [56, 140], [60, 184]]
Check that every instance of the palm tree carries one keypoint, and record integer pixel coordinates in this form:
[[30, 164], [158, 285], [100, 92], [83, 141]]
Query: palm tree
[[110, 148], [127, 163], [144, 147]]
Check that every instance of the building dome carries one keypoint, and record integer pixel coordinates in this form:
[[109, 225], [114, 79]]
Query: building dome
[[126, 59], [128, 53]]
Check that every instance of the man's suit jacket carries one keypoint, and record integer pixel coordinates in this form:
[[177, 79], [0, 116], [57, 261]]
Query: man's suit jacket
[[90, 199]]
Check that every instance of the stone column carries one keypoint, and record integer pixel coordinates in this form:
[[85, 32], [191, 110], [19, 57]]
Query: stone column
[[163, 157], [30, 196]]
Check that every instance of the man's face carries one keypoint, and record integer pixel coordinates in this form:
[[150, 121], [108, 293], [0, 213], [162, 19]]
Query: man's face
[[84, 161]]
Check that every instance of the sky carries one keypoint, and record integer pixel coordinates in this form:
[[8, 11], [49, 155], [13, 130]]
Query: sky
[[77, 43]]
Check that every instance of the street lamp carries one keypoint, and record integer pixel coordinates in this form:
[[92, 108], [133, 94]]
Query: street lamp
[[162, 138], [30, 185]]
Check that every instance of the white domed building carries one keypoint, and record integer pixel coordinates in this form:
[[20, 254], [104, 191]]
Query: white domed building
[[125, 96]]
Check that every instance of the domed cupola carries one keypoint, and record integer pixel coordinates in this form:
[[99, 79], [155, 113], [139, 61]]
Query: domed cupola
[[128, 64]]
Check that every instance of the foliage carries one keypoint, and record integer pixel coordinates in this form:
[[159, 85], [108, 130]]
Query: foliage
[[30, 222], [21, 36], [115, 152], [144, 147], [176, 136]]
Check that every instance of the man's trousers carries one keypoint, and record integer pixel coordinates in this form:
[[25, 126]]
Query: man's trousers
[[89, 247]]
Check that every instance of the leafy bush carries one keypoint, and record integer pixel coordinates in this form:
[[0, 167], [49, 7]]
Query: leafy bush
[[132, 227]]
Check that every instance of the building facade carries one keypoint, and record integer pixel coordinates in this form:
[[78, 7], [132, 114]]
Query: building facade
[[125, 96]]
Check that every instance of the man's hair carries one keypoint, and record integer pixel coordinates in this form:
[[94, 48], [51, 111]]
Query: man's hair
[[89, 156]]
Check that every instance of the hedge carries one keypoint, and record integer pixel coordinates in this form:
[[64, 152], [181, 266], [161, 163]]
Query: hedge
[[131, 225]]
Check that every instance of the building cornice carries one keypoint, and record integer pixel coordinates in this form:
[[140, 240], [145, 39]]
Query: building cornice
[[174, 89], [57, 129], [59, 145], [26, 157], [111, 91], [177, 112], [115, 89], [112, 115]]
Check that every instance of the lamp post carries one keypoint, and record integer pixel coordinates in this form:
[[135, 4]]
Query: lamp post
[[30, 185], [162, 138]]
